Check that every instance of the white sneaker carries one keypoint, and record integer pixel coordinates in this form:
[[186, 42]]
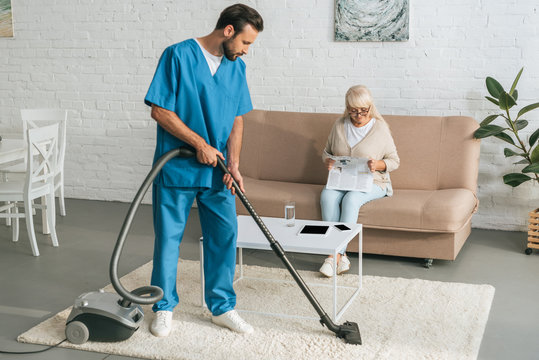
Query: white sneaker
[[327, 267], [162, 323], [232, 320], [344, 265]]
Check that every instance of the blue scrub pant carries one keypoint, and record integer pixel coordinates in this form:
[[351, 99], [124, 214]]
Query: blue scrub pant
[[343, 206], [217, 211]]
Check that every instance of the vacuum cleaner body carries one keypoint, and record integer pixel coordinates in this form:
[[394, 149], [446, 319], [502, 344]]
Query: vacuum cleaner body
[[100, 316]]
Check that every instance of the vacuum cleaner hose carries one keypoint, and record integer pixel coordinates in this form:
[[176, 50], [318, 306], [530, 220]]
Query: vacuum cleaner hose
[[156, 293]]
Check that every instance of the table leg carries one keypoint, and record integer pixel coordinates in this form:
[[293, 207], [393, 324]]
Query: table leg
[[335, 284], [360, 258], [240, 256], [201, 251], [360, 280]]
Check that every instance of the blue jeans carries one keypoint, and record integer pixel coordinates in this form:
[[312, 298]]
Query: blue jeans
[[343, 206]]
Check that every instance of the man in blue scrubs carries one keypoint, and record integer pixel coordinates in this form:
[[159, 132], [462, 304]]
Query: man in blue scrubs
[[198, 96]]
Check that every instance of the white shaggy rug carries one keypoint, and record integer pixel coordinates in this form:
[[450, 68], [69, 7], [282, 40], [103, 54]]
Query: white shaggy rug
[[398, 319]]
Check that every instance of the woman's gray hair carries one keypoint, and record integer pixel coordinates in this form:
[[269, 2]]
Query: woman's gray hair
[[359, 96]]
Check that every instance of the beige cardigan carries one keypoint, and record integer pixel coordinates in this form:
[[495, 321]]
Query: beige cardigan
[[378, 144]]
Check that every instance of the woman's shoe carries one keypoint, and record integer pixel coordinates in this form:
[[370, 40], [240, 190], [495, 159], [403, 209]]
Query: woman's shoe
[[327, 267], [344, 265]]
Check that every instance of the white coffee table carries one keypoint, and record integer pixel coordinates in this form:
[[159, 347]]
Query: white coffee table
[[251, 237]]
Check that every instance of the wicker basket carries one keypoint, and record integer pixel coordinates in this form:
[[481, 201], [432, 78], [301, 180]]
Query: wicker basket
[[533, 231]]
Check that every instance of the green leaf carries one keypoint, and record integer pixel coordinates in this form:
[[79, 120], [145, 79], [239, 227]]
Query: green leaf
[[515, 95], [527, 108], [533, 168], [515, 179], [515, 82], [492, 100], [503, 136], [508, 152], [523, 161], [521, 124], [534, 137], [535, 155], [506, 101], [489, 119], [487, 130], [494, 87]]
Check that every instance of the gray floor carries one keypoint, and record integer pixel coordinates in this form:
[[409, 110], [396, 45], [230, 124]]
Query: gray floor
[[33, 289]]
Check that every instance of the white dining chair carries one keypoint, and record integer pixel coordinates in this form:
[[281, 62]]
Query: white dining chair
[[34, 118], [41, 162]]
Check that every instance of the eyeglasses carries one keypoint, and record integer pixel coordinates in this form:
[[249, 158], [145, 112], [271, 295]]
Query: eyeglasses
[[356, 112]]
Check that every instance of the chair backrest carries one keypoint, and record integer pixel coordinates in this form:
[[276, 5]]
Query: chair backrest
[[34, 118], [41, 157]]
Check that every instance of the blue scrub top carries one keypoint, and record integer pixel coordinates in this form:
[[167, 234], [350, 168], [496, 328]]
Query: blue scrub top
[[207, 104]]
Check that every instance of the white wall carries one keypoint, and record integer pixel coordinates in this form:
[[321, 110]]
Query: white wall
[[97, 58]]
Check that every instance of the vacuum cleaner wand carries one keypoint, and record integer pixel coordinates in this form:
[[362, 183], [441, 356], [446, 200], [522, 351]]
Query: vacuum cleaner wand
[[349, 331]]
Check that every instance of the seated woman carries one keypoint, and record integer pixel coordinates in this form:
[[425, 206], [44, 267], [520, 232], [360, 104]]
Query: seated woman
[[360, 133]]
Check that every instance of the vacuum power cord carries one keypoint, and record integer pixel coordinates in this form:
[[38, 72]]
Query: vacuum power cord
[[31, 352]]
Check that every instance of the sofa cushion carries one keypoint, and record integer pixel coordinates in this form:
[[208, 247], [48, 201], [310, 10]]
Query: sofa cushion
[[285, 146], [409, 210], [435, 152], [421, 210]]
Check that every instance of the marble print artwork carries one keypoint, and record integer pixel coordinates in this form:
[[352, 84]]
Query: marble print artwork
[[371, 20], [6, 22]]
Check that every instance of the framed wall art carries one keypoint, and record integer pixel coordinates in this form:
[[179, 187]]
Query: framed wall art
[[6, 19], [372, 20]]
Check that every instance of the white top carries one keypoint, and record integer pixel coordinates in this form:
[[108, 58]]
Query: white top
[[212, 60], [355, 134]]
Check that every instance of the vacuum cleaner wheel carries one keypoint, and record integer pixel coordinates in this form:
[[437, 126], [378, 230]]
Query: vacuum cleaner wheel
[[77, 332]]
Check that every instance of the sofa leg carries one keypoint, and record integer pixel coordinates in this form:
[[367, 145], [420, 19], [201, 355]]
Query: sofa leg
[[427, 263]]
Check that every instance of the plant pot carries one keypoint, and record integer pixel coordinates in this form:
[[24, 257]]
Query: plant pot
[[533, 231]]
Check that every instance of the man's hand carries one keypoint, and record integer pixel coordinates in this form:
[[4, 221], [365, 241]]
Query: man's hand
[[208, 155], [227, 179]]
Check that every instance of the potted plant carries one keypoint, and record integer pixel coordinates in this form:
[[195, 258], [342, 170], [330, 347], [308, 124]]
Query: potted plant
[[529, 153]]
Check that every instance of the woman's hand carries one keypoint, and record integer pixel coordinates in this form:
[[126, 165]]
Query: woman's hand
[[329, 163], [376, 165]]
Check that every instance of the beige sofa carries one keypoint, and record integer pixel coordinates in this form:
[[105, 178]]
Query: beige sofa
[[429, 215]]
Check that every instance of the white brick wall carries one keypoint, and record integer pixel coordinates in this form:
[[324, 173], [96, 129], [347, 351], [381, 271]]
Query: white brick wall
[[97, 58]]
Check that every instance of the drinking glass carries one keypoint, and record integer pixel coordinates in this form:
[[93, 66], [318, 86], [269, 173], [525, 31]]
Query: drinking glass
[[290, 213]]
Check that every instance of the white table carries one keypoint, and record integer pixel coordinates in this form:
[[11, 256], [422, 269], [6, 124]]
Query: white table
[[251, 237], [12, 151]]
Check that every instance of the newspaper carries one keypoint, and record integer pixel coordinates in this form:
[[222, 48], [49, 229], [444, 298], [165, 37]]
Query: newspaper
[[350, 174]]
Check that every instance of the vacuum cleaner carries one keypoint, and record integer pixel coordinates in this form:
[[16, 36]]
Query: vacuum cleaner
[[108, 317]]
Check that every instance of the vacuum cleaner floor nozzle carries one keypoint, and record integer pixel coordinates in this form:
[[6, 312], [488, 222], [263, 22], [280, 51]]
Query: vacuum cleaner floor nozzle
[[349, 331]]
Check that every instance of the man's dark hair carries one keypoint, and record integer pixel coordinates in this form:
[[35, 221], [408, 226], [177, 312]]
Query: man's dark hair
[[239, 15]]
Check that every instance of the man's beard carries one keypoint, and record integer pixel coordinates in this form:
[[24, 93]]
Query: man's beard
[[230, 55]]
